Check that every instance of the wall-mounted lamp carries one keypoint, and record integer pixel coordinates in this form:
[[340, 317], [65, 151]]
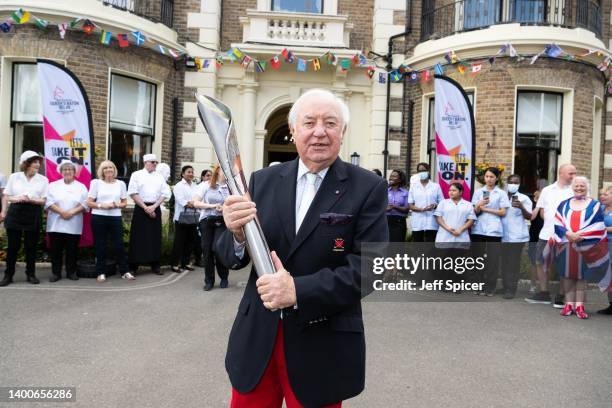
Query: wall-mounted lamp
[[355, 158]]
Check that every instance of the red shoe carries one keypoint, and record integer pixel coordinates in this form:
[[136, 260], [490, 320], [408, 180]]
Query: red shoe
[[580, 313], [568, 310]]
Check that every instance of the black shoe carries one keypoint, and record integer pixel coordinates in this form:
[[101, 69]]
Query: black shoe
[[508, 295], [542, 298], [606, 311], [187, 268], [208, 286], [33, 280], [54, 278], [6, 281], [158, 271], [223, 284], [176, 269], [72, 276], [559, 302]]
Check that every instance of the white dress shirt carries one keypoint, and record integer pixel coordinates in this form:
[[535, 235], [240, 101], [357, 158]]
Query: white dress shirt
[[550, 198], [422, 196], [106, 193], [455, 215], [183, 193], [490, 224], [514, 224], [149, 186], [18, 184], [66, 197], [300, 184]]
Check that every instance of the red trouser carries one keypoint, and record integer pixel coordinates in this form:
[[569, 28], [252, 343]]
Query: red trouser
[[274, 384]]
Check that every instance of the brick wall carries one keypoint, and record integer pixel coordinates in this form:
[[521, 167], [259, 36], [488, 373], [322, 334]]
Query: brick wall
[[231, 29], [90, 61], [495, 100]]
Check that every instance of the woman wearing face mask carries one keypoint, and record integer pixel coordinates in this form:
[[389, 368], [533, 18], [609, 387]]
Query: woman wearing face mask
[[490, 205], [184, 234], [575, 246], [397, 210], [516, 233], [423, 198]]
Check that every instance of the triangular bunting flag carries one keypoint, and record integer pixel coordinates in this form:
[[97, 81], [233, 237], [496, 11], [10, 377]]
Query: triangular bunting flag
[[40, 23], [316, 64], [461, 69], [301, 66], [425, 76], [370, 72], [288, 55], [139, 39], [198, 63], [259, 67], [237, 53], [88, 27], [62, 29], [123, 40], [345, 64], [476, 68], [105, 37], [331, 59], [6, 27], [161, 49], [438, 69], [395, 75], [205, 64], [173, 53], [275, 62], [74, 22], [246, 61], [20, 16], [382, 77]]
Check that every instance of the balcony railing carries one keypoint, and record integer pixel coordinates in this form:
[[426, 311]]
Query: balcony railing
[[160, 11], [296, 29], [466, 15]]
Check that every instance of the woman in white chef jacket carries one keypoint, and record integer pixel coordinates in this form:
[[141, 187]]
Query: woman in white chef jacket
[[455, 216], [66, 202], [25, 194]]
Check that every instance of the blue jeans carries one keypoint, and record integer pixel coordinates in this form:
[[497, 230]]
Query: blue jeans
[[102, 227]]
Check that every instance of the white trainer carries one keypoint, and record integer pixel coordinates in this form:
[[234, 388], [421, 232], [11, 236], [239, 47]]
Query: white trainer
[[101, 278], [128, 276]]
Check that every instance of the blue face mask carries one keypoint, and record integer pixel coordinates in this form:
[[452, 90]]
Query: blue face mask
[[423, 175], [513, 188]]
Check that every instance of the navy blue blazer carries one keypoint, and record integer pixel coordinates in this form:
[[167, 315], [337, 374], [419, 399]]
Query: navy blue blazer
[[324, 337]]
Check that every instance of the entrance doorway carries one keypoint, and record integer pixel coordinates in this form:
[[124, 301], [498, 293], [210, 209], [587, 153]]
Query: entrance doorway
[[279, 146]]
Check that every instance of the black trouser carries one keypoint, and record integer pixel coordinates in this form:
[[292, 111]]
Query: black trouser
[[184, 236], [491, 270], [64, 243], [102, 227], [511, 265], [397, 228], [212, 228], [424, 236], [30, 239]]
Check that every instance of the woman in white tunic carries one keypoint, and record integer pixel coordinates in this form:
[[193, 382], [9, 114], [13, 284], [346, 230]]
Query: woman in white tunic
[[490, 205], [455, 216], [423, 198], [25, 194], [516, 234], [66, 201]]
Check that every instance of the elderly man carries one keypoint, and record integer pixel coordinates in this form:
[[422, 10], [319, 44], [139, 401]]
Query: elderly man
[[550, 198], [298, 334], [148, 189]]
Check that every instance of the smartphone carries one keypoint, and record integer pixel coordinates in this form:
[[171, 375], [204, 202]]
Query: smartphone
[[485, 194], [515, 199]]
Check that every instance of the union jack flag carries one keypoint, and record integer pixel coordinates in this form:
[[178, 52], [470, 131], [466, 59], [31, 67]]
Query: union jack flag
[[587, 259]]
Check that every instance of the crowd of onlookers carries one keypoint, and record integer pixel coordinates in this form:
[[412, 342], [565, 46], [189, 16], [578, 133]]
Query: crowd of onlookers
[[69, 204], [505, 221]]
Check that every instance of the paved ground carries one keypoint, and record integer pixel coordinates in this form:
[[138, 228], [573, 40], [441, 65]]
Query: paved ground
[[160, 342]]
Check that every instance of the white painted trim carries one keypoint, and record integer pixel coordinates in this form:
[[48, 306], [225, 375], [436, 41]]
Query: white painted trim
[[597, 142], [156, 148], [567, 120], [6, 99], [271, 107], [106, 17]]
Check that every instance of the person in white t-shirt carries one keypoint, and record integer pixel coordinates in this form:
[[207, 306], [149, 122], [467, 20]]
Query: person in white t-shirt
[[26, 193], [107, 197], [550, 198], [66, 202]]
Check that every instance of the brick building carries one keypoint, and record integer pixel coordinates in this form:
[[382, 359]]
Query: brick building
[[136, 93], [529, 117]]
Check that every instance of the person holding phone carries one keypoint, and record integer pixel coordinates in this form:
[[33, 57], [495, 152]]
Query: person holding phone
[[516, 233], [490, 205]]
